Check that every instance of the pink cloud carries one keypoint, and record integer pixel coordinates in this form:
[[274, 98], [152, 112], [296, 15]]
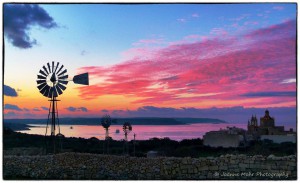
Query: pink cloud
[[195, 15], [278, 8], [149, 42], [229, 67], [182, 20], [193, 36], [251, 23], [218, 31], [241, 17]]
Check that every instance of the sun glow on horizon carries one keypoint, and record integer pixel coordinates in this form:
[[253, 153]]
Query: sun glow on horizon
[[172, 60]]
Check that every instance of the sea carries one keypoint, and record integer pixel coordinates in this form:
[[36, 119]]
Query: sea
[[142, 132]]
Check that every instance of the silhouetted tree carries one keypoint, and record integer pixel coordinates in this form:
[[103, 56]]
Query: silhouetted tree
[[127, 128]]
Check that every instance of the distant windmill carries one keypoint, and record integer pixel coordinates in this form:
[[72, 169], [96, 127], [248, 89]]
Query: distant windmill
[[106, 122], [134, 144], [127, 128], [52, 80]]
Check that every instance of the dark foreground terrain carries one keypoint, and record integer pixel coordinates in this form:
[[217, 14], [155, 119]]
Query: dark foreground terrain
[[85, 166], [164, 147]]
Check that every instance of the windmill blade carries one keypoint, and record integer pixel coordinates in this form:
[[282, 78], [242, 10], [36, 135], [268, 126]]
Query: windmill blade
[[60, 69], [41, 77], [63, 77], [59, 91], [81, 79], [42, 72], [45, 91], [63, 82], [49, 67], [52, 69], [63, 72], [41, 86], [56, 67], [61, 86], [45, 69], [41, 81]]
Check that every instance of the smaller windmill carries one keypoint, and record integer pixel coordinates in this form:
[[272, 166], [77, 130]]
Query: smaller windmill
[[106, 122], [134, 144], [127, 128]]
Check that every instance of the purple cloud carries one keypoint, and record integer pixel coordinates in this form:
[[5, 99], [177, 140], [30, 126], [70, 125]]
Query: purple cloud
[[74, 109], [271, 94], [36, 109], [71, 109], [45, 108], [9, 91], [12, 107], [9, 114], [83, 109], [19, 18]]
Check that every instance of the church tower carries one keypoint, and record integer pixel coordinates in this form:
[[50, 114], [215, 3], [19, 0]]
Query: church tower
[[267, 120], [252, 125]]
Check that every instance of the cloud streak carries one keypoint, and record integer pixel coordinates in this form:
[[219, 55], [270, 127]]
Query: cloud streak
[[229, 67], [45, 108], [12, 107], [271, 94], [9, 91], [18, 20], [75, 109]]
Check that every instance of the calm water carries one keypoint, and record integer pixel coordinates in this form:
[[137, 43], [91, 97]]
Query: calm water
[[143, 132]]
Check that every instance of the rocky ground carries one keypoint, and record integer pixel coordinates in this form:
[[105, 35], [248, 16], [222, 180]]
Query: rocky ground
[[83, 166]]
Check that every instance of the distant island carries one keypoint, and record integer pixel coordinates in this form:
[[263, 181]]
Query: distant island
[[23, 124]]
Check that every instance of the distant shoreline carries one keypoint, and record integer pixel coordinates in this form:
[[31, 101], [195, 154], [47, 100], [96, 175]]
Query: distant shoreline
[[133, 121], [24, 124]]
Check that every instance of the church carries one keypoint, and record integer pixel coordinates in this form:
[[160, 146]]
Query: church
[[266, 127]]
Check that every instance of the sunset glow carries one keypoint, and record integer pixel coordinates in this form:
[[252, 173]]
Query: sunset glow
[[164, 56]]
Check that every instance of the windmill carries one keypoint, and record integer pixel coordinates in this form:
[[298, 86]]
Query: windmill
[[127, 128], [106, 122], [134, 144], [51, 82]]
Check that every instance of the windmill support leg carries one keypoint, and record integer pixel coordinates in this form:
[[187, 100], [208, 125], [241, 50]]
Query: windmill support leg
[[107, 140], [126, 145], [53, 124], [52, 115]]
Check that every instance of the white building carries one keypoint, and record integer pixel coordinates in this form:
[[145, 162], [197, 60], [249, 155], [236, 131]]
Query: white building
[[230, 137]]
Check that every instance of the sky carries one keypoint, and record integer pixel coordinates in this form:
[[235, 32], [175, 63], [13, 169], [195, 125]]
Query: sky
[[154, 60]]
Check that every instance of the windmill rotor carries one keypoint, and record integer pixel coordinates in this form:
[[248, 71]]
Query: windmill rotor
[[127, 127], [106, 121], [51, 81]]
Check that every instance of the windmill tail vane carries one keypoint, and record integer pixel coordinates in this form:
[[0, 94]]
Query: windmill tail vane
[[81, 79]]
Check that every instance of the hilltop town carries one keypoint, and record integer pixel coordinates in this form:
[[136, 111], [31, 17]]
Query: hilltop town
[[238, 137]]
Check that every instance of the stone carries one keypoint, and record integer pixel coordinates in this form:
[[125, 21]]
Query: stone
[[213, 168], [94, 166], [271, 156], [203, 168]]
